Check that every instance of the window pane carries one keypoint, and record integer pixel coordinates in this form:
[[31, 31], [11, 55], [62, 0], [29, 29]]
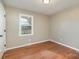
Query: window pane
[[25, 29], [25, 25], [26, 20]]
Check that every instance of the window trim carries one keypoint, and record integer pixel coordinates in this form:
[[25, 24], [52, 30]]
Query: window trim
[[21, 14]]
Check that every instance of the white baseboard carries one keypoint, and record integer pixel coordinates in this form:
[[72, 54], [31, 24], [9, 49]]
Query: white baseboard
[[41, 42], [65, 45], [26, 45]]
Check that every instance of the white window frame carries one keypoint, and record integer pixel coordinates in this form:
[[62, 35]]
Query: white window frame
[[20, 24]]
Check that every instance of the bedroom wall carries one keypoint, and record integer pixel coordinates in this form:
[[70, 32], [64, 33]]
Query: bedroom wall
[[65, 27], [62, 27], [41, 27]]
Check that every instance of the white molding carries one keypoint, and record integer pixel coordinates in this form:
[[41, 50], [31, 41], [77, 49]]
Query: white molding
[[26, 45], [65, 45], [44, 41]]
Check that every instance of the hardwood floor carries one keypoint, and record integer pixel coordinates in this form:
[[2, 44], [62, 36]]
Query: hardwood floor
[[46, 50]]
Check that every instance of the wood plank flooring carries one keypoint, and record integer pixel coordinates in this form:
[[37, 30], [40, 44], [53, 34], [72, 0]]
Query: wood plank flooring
[[46, 50]]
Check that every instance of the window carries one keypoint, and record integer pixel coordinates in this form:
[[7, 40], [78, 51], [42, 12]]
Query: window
[[25, 25]]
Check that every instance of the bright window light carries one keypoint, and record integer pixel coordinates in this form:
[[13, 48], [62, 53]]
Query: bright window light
[[46, 1]]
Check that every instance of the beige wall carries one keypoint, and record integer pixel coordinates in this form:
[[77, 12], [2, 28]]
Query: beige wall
[[62, 27], [65, 27], [41, 28]]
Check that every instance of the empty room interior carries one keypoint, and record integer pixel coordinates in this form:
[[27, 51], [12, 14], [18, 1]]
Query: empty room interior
[[39, 29]]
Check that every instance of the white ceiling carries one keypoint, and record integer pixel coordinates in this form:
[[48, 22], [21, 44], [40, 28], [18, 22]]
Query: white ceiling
[[40, 7]]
